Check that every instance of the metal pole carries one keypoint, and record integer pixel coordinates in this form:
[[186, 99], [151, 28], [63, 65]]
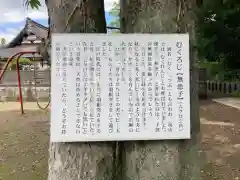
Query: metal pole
[[19, 84], [6, 66]]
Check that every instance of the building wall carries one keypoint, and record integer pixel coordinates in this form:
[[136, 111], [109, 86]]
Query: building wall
[[9, 90], [29, 94], [27, 77]]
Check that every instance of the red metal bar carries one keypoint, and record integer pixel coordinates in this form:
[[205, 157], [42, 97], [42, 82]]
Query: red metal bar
[[10, 60], [19, 84], [18, 73], [6, 66]]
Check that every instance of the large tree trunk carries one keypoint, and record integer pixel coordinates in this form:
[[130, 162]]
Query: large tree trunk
[[79, 161], [163, 160]]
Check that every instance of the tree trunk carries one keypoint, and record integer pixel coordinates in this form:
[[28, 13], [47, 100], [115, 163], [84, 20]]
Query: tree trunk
[[163, 160], [79, 161]]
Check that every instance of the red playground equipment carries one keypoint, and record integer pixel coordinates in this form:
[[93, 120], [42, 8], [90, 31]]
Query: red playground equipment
[[17, 56]]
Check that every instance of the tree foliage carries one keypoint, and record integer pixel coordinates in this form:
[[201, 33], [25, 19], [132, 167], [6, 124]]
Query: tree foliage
[[115, 13], [34, 4], [22, 62], [218, 31], [3, 41]]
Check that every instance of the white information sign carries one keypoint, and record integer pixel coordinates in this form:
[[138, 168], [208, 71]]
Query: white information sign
[[114, 87]]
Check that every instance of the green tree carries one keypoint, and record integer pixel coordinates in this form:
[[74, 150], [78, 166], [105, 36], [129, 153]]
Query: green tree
[[22, 62], [115, 13], [218, 32], [3, 41], [34, 4]]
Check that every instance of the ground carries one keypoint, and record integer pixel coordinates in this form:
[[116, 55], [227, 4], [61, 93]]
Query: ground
[[23, 143], [220, 141], [25, 138]]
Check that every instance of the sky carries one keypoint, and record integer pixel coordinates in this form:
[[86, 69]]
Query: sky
[[13, 16]]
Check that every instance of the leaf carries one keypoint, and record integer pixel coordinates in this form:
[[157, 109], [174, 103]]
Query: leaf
[[34, 4]]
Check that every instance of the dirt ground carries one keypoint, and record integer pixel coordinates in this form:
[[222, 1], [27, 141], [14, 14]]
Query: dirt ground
[[24, 142], [220, 141]]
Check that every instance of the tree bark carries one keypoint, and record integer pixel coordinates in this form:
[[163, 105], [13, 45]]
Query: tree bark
[[79, 161], [163, 160]]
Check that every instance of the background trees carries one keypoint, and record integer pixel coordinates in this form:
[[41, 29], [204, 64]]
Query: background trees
[[3, 41], [218, 35], [115, 13], [22, 62]]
